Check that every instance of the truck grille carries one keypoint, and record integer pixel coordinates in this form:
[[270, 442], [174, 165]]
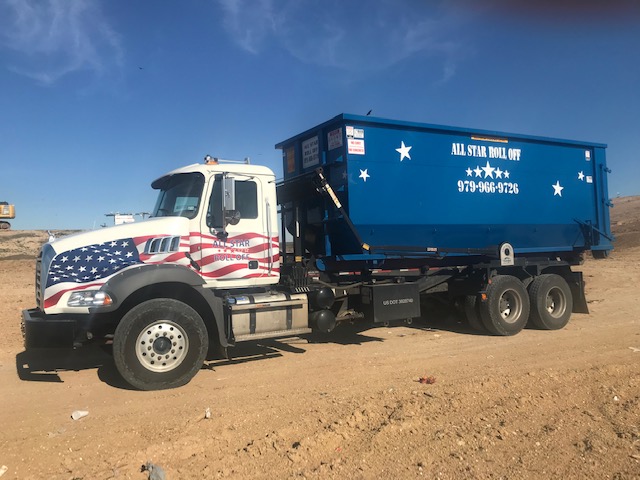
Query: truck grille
[[39, 280]]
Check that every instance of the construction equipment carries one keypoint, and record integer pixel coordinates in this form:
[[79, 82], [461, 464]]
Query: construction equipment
[[6, 211]]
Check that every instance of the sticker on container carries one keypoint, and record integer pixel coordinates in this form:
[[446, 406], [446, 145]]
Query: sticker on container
[[310, 155], [587, 155], [355, 147], [589, 179], [358, 133], [290, 156], [349, 132], [334, 138]]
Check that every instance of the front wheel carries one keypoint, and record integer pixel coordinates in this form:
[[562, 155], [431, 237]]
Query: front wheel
[[160, 344], [506, 309]]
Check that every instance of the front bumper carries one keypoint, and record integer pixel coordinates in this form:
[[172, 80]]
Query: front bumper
[[49, 331]]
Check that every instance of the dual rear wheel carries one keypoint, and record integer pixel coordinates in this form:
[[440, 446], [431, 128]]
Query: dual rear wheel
[[509, 306]]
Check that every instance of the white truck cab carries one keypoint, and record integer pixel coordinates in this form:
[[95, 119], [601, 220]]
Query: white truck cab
[[233, 239]]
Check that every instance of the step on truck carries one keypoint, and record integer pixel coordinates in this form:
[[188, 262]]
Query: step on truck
[[371, 217]]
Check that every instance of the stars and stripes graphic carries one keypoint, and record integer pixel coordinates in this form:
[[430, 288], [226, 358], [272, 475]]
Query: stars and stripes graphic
[[90, 266], [93, 262], [230, 259], [240, 256]]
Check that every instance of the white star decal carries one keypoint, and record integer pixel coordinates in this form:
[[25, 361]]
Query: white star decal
[[488, 170], [364, 175], [469, 172], [557, 189], [581, 176], [506, 174], [498, 173], [64, 259], [404, 151], [478, 171]]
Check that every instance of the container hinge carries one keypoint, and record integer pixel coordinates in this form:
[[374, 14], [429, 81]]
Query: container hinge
[[324, 187]]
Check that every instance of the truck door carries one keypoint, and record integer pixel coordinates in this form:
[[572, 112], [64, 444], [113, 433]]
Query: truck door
[[235, 245]]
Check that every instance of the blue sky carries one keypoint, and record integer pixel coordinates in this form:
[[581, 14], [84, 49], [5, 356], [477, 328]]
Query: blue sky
[[98, 98]]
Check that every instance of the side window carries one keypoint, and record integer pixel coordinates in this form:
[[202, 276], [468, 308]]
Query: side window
[[247, 199], [246, 202], [214, 211]]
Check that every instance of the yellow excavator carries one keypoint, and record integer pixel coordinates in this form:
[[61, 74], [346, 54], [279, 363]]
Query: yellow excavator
[[6, 212]]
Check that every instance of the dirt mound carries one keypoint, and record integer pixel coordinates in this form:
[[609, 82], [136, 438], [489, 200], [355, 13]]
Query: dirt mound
[[25, 244], [625, 222]]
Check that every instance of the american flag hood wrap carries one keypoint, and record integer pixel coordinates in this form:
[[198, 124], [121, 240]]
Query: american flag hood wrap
[[88, 260]]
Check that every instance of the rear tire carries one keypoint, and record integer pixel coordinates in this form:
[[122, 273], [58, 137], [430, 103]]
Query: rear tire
[[472, 313], [551, 302], [160, 344], [506, 310]]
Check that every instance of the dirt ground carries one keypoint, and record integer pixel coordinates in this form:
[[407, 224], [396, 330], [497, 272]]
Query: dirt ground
[[563, 404]]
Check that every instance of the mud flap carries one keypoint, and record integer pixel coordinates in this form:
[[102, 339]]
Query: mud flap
[[576, 284]]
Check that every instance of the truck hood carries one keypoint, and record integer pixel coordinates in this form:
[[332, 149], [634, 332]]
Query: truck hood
[[89, 260], [153, 227]]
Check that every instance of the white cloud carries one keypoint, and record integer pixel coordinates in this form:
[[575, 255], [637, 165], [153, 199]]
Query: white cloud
[[354, 37], [250, 22], [50, 39]]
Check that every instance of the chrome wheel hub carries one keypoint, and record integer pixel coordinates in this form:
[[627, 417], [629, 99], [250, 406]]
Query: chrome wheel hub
[[162, 346]]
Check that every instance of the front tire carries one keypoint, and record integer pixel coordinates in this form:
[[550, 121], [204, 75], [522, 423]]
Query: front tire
[[160, 344], [551, 302], [506, 309]]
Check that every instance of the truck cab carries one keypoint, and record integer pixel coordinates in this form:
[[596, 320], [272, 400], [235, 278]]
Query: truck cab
[[232, 234]]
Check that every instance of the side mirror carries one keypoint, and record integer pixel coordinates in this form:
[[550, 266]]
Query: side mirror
[[228, 194], [231, 217], [229, 214]]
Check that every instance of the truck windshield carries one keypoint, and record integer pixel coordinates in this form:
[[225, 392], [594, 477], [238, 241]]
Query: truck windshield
[[179, 195]]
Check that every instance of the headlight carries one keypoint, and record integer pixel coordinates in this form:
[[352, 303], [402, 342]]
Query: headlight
[[92, 298]]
